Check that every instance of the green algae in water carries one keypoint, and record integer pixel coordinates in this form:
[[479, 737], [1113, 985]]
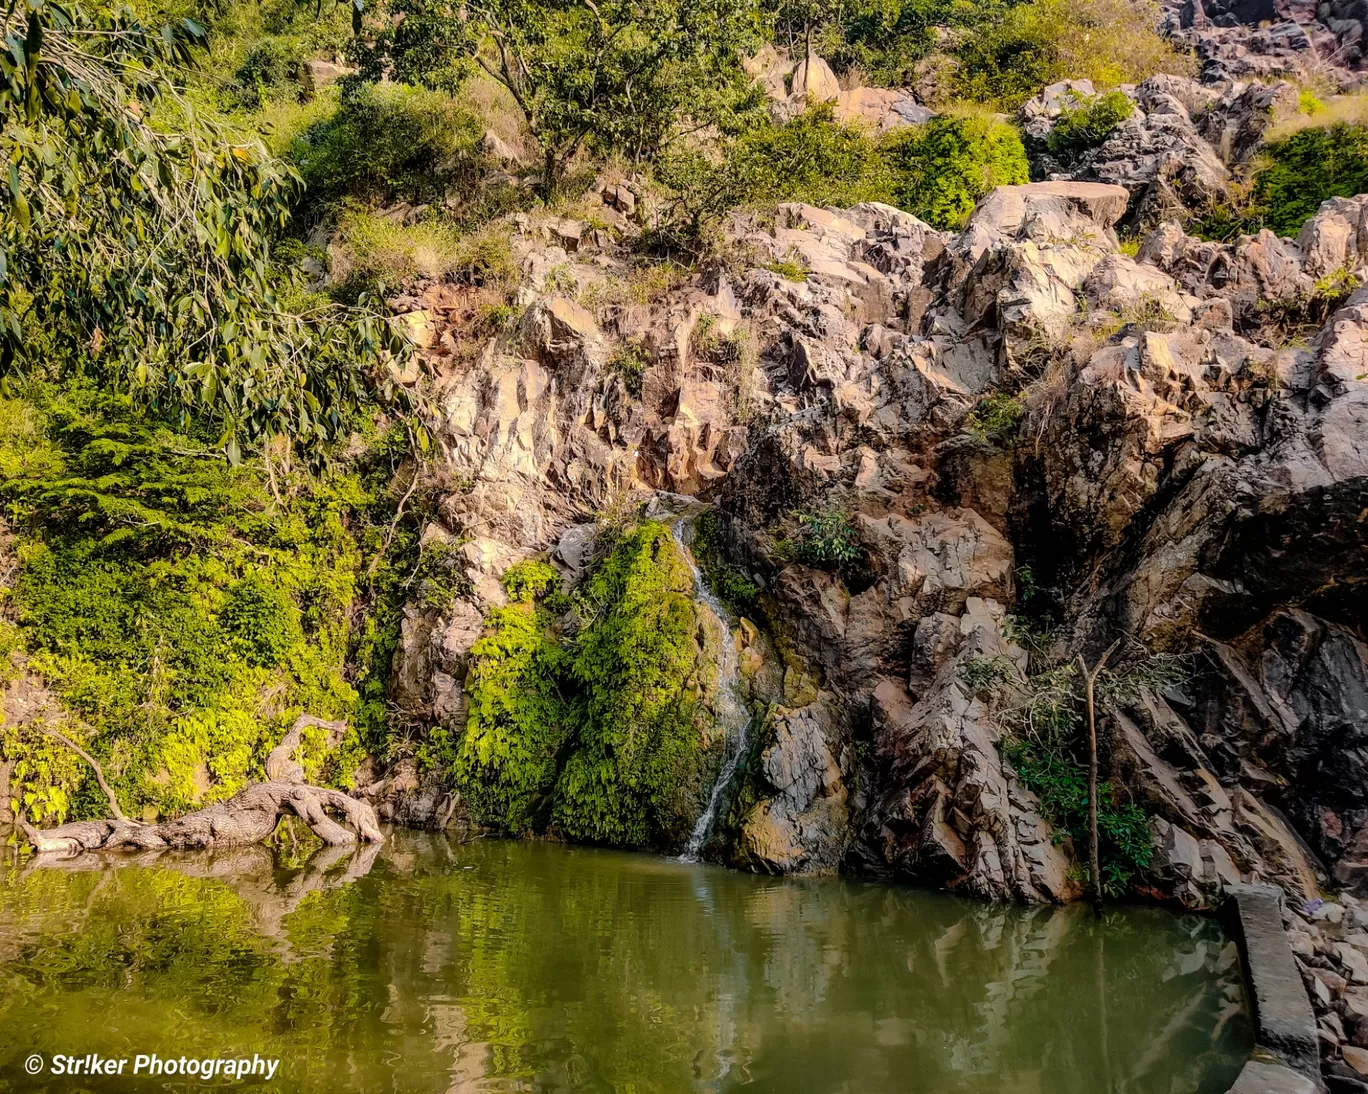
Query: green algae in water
[[426, 966]]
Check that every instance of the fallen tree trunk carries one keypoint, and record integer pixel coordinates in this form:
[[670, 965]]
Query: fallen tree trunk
[[250, 816]]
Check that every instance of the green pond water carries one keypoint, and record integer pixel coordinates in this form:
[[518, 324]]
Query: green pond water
[[430, 966]]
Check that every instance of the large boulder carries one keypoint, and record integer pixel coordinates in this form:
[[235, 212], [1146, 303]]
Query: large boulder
[[801, 825]]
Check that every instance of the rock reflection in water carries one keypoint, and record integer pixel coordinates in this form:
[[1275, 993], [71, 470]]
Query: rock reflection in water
[[425, 966]]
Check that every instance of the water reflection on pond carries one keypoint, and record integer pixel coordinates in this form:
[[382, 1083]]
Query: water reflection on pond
[[426, 966]]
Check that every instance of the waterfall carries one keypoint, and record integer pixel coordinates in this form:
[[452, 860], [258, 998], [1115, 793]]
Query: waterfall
[[727, 703]]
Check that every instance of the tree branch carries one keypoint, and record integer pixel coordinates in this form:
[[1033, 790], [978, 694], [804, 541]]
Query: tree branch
[[99, 772]]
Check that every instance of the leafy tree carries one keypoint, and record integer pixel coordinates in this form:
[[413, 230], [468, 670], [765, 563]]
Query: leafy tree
[[884, 39], [135, 240], [617, 75], [797, 21]]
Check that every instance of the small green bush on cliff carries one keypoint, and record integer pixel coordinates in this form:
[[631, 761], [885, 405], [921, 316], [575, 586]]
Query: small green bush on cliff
[[826, 538], [1307, 168], [1087, 123], [995, 419], [942, 169], [1047, 747], [1126, 844]]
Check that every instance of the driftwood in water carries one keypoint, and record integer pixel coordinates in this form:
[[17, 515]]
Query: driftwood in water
[[250, 816]]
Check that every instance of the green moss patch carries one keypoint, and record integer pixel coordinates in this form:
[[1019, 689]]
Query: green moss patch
[[597, 734]]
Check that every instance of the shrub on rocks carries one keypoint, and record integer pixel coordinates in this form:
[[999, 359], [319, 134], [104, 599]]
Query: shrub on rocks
[[937, 171], [1308, 167], [1087, 123], [1041, 42], [942, 169], [386, 142], [813, 159]]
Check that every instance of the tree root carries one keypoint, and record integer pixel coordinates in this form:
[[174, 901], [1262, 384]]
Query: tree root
[[248, 817]]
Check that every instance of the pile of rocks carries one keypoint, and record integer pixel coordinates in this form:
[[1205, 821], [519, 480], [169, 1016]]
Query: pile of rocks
[[1330, 942], [1271, 39]]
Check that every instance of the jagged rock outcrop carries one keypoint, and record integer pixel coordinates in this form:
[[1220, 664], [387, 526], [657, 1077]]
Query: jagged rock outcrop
[[1262, 40], [1176, 150], [1172, 471]]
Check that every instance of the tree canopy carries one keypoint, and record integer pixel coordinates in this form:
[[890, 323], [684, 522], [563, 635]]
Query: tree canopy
[[136, 240], [616, 75]]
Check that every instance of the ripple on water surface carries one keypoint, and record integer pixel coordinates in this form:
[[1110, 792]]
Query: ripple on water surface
[[426, 966]]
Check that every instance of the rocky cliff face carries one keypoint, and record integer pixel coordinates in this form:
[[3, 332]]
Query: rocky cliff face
[[1025, 426], [1263, 39]]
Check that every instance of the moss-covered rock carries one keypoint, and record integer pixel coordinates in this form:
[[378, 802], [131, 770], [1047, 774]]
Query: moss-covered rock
[[598, 735]]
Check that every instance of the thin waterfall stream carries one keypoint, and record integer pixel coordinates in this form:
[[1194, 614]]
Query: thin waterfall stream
[[728, 705]]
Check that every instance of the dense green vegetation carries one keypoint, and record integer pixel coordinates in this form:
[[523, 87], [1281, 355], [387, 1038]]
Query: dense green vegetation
[[937, 171], [591, 731], [174, 604], [1293, 175], [1306, 168], [505, 762], [135, 244], [942, 169], [383, 141]]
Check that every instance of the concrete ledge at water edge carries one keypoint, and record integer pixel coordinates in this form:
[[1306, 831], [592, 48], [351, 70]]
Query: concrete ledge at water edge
[[1284, 1024], [1260, 1077]]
